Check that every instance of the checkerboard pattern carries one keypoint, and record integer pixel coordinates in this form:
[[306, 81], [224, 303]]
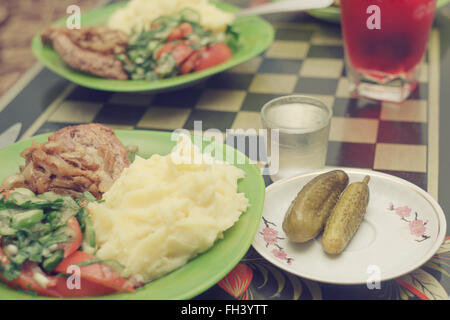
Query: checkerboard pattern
[[304, 59]]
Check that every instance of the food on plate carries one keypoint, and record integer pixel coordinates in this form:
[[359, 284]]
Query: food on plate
[[309, 211], [165, 210], [346, 217], [75, 159], [147, 218], [41, 236], [149, 40], [138, 15], [91, 50], [175, 45]]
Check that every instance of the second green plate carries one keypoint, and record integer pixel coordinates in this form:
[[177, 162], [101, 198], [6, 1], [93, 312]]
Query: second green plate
[[255, 33]]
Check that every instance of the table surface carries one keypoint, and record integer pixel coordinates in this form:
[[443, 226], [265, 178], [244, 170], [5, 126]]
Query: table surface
[[306, 57]]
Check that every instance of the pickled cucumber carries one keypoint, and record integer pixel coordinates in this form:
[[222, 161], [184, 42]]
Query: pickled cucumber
[[346, 217], [307, 214]]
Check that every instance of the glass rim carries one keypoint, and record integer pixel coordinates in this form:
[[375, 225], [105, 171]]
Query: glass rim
[[299, 99]]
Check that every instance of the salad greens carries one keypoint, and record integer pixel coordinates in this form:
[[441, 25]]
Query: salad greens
[[144, 60], [89, 244], [32, 228]]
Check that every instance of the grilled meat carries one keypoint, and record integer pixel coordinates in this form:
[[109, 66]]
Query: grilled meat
[[73, 160], [91, 50]]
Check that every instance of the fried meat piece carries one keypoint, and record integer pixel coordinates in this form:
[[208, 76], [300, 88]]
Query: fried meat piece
[[73, 160], [91, 50]]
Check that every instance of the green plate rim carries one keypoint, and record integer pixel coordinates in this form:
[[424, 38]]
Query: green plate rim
[[333, 14], [97, 83], [256, 192]]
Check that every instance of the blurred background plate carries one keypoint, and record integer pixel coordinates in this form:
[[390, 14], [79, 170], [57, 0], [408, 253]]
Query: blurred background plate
[[333, 14], [255, 37]]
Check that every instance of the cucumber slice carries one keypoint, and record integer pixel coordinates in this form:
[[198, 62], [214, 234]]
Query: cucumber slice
[[7, 231], [27, 219], [25, 192], [51, 262], [50, 196], [26, 200]]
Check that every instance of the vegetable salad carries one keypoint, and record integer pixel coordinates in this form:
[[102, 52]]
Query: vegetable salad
[[176, 45], [42, 236]]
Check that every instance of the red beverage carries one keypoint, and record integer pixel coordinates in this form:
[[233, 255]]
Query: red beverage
[[386, 39]]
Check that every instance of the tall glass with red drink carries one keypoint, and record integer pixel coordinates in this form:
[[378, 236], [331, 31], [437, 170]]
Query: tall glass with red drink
[[385, 43]]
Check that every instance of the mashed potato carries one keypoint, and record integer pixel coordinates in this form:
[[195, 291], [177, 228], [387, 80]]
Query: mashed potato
[[139, 14], [163, 211]]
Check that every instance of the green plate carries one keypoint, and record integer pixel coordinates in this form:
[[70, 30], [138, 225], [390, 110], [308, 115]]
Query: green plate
[[200, 273], [255, 37], [333, 14]]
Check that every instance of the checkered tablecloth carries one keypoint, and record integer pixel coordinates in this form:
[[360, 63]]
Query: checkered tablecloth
[[307, 57]]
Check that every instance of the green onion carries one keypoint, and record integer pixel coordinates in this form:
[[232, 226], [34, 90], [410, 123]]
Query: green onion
[[51, 262], [10, 271], [89, 244], [19, 258]]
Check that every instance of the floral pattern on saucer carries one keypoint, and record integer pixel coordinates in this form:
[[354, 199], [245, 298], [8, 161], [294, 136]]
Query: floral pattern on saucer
[[417, 227], [271, 238]]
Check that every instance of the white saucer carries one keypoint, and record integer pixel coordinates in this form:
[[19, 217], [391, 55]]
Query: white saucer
[[402, 229]]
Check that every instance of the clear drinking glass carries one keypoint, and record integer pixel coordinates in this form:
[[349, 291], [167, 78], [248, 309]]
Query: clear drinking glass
[[385, 43], [303, 125]]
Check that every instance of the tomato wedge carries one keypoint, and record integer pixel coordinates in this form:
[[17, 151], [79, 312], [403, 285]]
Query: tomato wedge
[[166, 47], [73, 230], [57, 286], [181, 31], [27, 282], [213, 55], [86, 289], [96, 272], [179, 50], [190, 63]]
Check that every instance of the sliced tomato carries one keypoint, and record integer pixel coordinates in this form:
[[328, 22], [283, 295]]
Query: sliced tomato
[[166, 47], [56, 286], [86, 288], [26, 281], [190, 63], [96, 272], [179, 50], [181, 32], [73, 230], [213, 55]]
